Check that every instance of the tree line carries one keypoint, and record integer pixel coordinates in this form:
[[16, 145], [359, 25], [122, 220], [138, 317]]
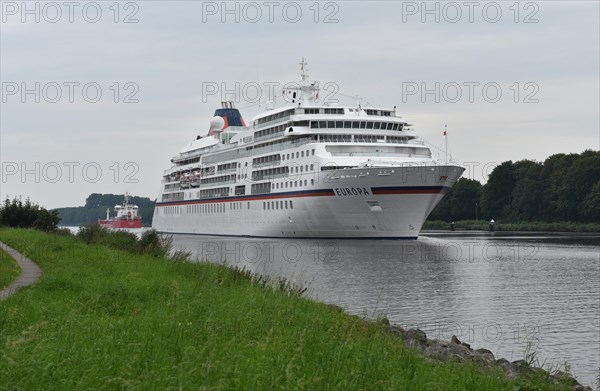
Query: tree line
[[565, 187], [27, 214], [96, 205]]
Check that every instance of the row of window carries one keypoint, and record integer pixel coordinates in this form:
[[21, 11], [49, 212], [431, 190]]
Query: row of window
[[171, 210], [260, 188], [355, 125], [188, 161], [292, 184], [280, 172], [271, 117], [217, 179], [213, 193], [205, 208], [299, 154], [168, 197], [221, 207], [335, 110], [226, 167], [274, 131], [385, 113], [276, 205], [266, 159]]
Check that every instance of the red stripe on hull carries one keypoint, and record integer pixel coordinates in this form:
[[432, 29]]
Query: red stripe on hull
[[121, 223]]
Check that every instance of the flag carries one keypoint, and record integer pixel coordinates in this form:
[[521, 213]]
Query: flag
[[445, 133]]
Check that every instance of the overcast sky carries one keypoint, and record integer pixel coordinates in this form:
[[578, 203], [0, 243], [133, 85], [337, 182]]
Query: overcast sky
[[510, 80]]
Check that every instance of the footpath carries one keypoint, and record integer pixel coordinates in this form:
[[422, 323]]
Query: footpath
[[30, 272]]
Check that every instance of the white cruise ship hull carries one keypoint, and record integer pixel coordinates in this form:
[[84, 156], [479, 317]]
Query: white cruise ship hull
[[358, 203]]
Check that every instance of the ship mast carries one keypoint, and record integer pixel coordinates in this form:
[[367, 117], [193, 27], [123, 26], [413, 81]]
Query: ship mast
[[306, 92]]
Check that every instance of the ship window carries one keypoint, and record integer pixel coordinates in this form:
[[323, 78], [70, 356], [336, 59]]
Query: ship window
[[248, 205], [295, 183], [264, 206], [301, 169], [331, 124], [390, 126], [297, 155], [339, 124], [286, 204], [369, 125], [347, 124], [291, 205], [305, 182], [314, 124], [302, 154], [313, 152], [322, 124], [281, 204], [395, 127], [312, 181], [362, 124]]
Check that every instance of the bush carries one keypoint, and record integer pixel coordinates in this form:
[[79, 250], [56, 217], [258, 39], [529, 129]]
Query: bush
[[154, 244], [91, 233]]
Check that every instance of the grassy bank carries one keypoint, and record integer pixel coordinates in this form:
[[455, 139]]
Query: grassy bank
[[107, 319], [9, 270], [518, 226]]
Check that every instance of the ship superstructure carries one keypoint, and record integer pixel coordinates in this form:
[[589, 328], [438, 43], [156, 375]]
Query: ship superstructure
[[306, 170], [127, 216]]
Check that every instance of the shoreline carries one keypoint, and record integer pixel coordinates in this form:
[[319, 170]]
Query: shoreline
[[456, 350], [461, 232]]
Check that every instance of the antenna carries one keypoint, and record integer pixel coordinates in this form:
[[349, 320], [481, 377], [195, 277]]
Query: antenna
[[304, 69]]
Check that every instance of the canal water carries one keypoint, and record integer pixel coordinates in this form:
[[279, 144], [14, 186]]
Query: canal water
[[517, 295]]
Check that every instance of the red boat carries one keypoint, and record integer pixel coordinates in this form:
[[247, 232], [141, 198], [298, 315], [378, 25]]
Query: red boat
[[127, 216]]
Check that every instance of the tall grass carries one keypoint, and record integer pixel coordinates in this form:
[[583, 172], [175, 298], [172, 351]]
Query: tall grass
[[103, 318]]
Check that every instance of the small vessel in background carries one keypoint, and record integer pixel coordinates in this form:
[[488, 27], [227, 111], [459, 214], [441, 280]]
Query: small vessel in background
[[127, 216]]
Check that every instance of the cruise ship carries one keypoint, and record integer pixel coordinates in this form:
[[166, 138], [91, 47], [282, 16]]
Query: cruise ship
[[305, 170]]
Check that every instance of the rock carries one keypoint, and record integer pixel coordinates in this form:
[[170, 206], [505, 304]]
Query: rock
[[394, 329], [415, 338], [488, 355], [455, 340]]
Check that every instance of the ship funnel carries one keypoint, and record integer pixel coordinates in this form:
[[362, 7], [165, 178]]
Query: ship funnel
[[230, 114]]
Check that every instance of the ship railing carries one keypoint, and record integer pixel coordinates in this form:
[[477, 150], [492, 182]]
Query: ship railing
[[273, 163], [377, 154], [229, 170], [228, 182], [269, 136]]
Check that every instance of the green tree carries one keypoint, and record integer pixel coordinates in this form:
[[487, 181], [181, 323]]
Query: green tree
[[460, 202], [496, 199], [17, 213], [528, 194], [590, 207]]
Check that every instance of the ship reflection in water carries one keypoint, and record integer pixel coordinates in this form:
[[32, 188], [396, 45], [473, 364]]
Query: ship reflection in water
[[500, 292]]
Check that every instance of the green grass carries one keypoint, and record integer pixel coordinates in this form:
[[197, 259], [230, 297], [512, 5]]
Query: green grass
[[9, 269], [106, 319], [515, 226]]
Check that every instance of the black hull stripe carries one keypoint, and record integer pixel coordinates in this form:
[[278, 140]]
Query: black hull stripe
[[311, 193]]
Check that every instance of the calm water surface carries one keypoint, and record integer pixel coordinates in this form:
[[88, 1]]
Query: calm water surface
[[506, 293]]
